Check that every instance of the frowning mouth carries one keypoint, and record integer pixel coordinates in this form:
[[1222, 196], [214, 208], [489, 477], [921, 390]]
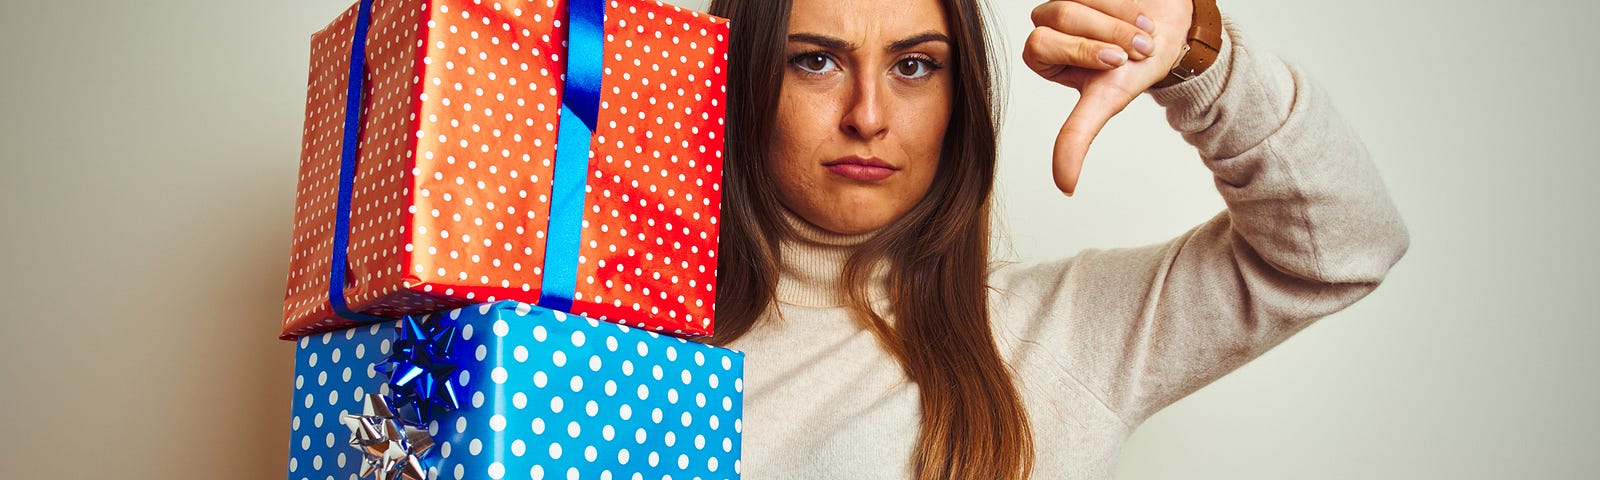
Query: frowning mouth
[[862, 161], [861, 168]]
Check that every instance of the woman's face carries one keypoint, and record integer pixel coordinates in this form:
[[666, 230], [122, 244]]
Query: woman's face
[[863, 110]]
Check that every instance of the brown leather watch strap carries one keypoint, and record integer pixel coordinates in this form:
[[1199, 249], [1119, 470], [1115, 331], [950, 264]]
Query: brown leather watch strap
[[1202, 47]]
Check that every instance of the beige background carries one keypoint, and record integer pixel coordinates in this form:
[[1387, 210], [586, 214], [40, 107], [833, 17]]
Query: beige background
[[150, 154]]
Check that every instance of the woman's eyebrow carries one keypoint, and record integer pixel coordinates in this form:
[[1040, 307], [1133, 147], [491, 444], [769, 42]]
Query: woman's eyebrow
[[835, 43], [824, 41], [919, 39]]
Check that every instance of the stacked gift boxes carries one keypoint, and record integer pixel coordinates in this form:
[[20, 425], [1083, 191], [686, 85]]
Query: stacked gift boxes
[[519, 200]]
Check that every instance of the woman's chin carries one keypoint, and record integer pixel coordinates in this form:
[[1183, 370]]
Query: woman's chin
[[850, 211], [854, 224]]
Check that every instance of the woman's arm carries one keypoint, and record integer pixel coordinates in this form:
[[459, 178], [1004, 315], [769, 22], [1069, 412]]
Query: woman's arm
[[1309, 230]]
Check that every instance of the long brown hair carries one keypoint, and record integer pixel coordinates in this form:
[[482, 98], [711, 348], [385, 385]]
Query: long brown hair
[[974, 425]]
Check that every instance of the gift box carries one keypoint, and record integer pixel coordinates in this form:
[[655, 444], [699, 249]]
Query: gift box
[[431, 177], [541, 394]]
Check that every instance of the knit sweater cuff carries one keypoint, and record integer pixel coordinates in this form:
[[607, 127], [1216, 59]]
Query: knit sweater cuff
[[1197, 94]]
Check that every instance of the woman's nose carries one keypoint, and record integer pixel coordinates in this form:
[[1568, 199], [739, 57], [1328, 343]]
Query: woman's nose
[[864, 116]]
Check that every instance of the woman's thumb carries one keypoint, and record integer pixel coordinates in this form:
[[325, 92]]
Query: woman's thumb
[[1090, 115]]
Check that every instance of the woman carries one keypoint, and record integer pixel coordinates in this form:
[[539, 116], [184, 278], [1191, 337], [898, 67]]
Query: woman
[[854, 265]]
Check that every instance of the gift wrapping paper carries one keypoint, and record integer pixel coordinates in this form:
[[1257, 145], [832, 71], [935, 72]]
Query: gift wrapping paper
[[461, 108], [544, 395]]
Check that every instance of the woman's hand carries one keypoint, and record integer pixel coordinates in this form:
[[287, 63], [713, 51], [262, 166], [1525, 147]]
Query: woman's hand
[[1110, 51]]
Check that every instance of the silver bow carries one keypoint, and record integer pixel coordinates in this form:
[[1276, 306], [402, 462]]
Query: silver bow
[[391, 449]]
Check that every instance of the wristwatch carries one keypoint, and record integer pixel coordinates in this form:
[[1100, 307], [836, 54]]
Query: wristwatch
[[1202, 46]]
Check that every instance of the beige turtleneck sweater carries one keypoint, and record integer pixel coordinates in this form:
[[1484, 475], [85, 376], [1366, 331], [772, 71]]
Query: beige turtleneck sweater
[[1102, 340]]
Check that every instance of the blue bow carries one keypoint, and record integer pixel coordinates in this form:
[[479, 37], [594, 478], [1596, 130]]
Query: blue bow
[[420, 368]]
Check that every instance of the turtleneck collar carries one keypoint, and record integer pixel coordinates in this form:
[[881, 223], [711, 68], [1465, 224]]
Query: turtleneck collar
[[812, 270]]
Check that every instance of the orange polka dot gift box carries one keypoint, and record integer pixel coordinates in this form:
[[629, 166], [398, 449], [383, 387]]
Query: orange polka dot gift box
[[467, 151]]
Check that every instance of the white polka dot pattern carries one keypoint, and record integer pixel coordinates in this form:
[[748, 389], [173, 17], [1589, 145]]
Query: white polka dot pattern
[[648, 256], [451, 198], [554, 396]]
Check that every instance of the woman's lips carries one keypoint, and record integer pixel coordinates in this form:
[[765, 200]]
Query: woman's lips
[[861, 169]]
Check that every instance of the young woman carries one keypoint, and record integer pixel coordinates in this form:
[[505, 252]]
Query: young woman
[[854, 266]]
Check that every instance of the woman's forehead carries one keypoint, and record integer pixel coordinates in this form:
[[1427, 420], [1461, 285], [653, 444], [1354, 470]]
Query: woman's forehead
[[867, 22]]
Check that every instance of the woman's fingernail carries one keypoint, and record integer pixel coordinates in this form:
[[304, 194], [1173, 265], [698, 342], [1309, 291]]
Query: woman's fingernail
[[1145, 24], [1142, 43], [1112, 56]]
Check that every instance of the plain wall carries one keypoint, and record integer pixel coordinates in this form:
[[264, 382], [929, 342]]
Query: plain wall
[[150, 152]]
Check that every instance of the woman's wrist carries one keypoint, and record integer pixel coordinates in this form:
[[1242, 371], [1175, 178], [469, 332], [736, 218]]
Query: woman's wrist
[[1202, 90], [1202, 44]]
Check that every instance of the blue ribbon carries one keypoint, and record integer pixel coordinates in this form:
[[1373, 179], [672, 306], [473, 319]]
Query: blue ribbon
[[580, 105], [347, 169]]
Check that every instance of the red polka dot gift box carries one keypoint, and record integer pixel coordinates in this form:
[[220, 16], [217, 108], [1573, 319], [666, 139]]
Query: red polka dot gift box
[[467, 151]]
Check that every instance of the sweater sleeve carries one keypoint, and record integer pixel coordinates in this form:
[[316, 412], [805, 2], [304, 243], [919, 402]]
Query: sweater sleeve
[[1309, 229]]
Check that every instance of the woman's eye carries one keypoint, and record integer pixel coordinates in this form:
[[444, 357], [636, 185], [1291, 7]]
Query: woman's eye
[[915, 67], [813, 62]]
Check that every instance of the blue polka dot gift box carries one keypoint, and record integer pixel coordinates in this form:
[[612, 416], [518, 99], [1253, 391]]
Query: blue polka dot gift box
[[537, 394], [564, 153]]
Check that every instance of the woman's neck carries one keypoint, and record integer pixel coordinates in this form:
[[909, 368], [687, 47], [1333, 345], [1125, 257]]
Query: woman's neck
[[811, 273]]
